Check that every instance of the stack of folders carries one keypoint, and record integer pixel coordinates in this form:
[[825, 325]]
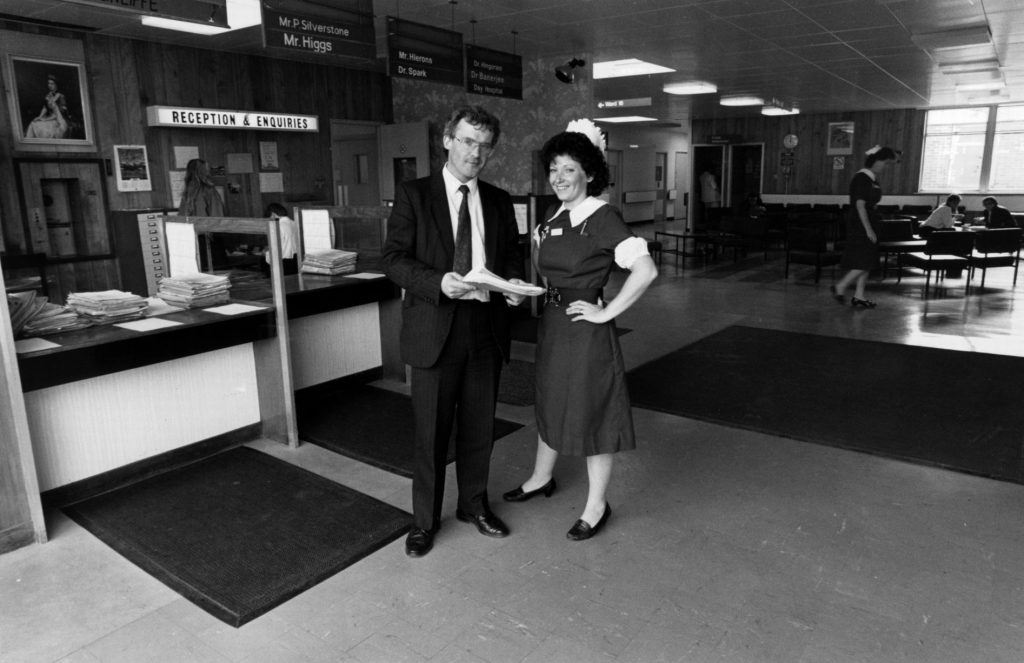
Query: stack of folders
[[107, 307], [33, 315], [197, 290], [329, 261]]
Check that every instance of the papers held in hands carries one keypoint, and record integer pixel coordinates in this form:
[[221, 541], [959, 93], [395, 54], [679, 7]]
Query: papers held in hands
[[485, 279]]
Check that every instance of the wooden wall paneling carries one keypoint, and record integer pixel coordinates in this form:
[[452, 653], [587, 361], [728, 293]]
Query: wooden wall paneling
[[120, 117], [813, 172]]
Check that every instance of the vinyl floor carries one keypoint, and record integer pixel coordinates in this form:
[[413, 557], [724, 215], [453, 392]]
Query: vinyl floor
[[725, 545]]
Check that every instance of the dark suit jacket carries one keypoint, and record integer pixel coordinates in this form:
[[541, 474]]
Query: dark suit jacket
[[999, 217], [418, 252]]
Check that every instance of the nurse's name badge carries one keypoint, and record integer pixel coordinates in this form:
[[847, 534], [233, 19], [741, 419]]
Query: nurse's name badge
[[555, 232]]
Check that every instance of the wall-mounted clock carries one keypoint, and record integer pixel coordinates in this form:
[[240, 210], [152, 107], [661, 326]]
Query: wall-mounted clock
[[790, 141]]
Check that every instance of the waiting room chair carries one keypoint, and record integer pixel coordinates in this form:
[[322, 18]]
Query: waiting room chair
[[808, 245], [999, 247], [729, 235], [945, 250], [896, 237]]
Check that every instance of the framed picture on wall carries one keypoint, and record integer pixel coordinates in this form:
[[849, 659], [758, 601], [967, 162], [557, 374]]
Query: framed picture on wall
[[49, 104], [840, 138], [132, 168]]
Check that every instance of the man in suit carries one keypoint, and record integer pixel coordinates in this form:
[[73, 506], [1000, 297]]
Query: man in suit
[[997, 216], [454, 335]]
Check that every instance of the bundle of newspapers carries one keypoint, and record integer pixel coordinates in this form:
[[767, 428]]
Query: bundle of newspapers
[[34, 315], [329, 261], [105, 307], [197, 290]]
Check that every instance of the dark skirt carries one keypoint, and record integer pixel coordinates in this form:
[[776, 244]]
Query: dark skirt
[[582, 402], [859, 252]]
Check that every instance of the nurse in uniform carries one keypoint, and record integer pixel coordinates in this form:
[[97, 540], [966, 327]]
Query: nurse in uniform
[[582, 403]]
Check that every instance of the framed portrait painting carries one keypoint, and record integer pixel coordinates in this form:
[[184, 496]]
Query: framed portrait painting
[[840, 138], [49, 104]]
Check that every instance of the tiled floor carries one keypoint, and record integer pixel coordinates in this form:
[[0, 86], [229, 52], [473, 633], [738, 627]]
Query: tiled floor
[[725, 545]]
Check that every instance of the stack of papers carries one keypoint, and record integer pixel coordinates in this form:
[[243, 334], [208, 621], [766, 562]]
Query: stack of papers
[[329, 261], [197, 290], [52, 319], [106, 307]]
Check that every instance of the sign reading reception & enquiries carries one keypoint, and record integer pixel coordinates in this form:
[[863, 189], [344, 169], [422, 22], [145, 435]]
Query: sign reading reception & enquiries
[[213, 118]]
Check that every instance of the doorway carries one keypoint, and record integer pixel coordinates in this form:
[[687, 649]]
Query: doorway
[[709, 162], [746, 165], [355, 156]]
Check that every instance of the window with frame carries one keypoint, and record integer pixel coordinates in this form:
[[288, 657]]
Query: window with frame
[[979, 149]]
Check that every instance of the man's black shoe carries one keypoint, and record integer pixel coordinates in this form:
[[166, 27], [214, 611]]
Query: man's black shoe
[[419, 542], [486, 523]]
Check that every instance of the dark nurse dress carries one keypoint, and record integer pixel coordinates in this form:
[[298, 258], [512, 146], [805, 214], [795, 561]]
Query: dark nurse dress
[[582, 402], [859, 252]]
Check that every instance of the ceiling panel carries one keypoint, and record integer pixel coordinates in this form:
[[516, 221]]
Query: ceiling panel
[[822, 55]]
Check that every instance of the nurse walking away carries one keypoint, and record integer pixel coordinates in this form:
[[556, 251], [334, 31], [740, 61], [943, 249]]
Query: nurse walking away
[[582, 403], [860, 252]]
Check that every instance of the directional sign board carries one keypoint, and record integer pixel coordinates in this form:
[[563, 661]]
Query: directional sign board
[[494, 73], [424, 52], [343, 33]]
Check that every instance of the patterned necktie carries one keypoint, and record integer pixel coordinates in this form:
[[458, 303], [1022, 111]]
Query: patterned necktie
[[463, 237]]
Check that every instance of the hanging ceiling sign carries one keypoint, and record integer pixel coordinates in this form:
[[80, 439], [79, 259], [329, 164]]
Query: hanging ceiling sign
[[637, 102], [213, 12], [212, 118], [345, 33], [424, 52], [494, 73]]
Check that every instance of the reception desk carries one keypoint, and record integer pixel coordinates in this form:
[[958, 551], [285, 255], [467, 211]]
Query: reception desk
[[109, 405]]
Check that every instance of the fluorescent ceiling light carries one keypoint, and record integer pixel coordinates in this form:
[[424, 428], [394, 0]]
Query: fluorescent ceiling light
[[969, 67], [775, 110], [987, 85], [183, 26], [628, 67], [244, 14], [690, 87], [625, 118], [978, 35], [741, 100]]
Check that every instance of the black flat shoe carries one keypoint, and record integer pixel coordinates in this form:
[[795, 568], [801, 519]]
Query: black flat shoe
[[419, 542], [520, 495], [863, 303], [582, 531], [486, 523], [836, 296]]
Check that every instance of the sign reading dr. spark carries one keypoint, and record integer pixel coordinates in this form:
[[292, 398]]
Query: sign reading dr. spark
[[350, 35], [212, 118]]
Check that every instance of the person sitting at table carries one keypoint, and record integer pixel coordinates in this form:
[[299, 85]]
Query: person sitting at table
[[942, 218], [996, 216]]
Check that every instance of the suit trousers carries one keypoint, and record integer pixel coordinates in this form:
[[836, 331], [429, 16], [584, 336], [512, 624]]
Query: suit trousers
[[459, 391]]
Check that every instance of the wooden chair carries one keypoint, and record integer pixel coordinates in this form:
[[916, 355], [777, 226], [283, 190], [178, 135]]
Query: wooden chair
[[808, 245], [944, 250], [999, 247]]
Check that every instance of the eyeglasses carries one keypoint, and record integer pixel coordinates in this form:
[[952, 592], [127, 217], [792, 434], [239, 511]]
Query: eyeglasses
[[470, 144]]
